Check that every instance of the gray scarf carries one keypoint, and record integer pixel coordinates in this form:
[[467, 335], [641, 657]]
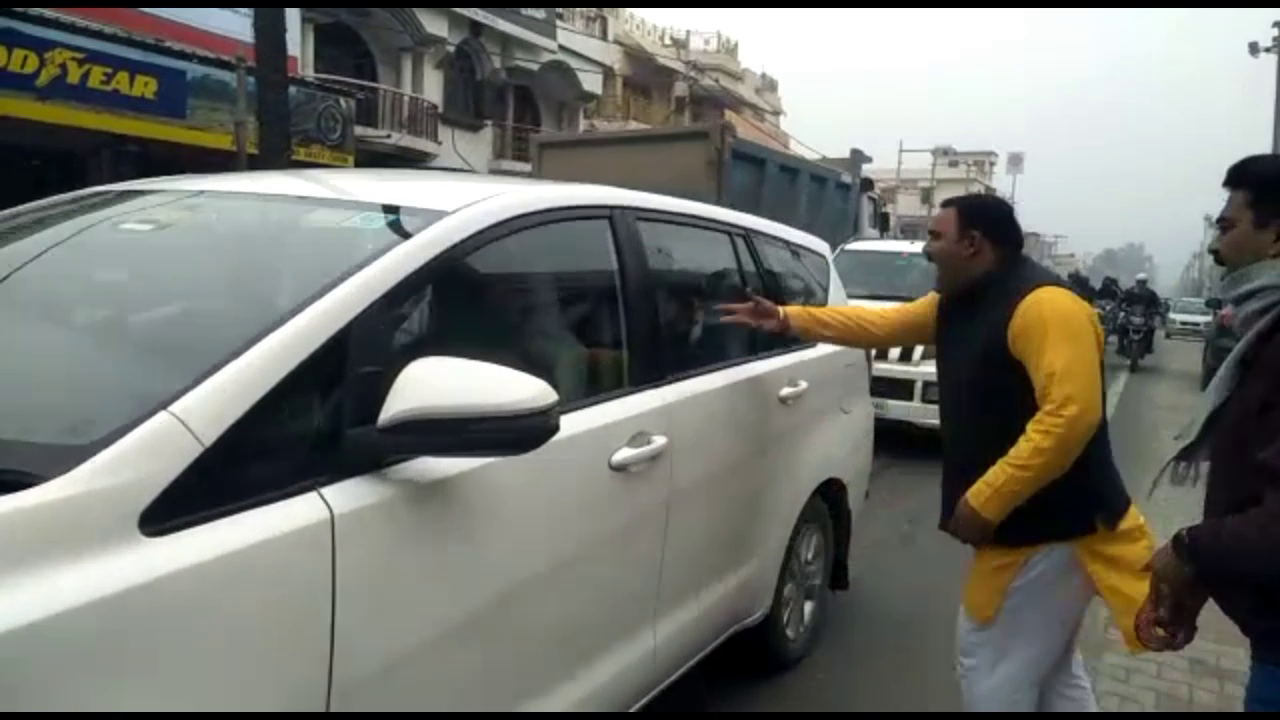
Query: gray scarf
[[1253, 293]]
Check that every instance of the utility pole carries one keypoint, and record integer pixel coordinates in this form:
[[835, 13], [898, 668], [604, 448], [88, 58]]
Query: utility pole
[[241, 117], [1256, 50], [271, 77]]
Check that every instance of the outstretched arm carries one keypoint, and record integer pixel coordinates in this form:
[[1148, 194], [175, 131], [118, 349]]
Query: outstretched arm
[[912, 323]]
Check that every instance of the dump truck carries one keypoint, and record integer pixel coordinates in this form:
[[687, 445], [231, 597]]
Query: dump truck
[[710, 163]]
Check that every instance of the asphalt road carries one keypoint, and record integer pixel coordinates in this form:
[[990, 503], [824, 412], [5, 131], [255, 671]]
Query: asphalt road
[[888, 644]]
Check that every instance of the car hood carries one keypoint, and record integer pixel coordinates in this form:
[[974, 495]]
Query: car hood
[[1182, 317]]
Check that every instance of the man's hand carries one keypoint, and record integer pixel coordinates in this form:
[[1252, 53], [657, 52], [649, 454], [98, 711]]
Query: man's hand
[[1169, 573], [1167, 621], [756, 312], [969, 526]]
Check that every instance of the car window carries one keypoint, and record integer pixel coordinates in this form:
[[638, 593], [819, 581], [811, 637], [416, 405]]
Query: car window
[[802, 275], [694, 269], [546, 300], [113, 305], [1190, 307], [884, 275]]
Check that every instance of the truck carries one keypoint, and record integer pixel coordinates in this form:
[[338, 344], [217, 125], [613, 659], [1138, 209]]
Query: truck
[[710, 163]]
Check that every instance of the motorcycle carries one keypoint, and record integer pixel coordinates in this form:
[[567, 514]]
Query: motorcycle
[[1134, 338], [1107, 317]]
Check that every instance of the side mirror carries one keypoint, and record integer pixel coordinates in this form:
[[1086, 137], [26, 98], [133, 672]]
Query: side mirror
[[1213, 303], [454, 407]]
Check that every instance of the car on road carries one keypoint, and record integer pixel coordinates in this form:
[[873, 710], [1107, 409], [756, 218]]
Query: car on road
[[389, 440], [886, 273], [1220, 339], [1187, 317]]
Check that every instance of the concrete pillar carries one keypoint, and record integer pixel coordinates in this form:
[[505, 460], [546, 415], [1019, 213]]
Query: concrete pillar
[[307, 61], [406, 71]]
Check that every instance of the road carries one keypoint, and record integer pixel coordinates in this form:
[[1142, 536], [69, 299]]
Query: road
[[888, 646]]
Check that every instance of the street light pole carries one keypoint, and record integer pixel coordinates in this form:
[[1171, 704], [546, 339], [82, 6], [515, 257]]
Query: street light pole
[[897, 190], [1256, 50]]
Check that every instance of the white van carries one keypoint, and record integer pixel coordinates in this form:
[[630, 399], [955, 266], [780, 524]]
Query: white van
[[885, 273], [393, 440]]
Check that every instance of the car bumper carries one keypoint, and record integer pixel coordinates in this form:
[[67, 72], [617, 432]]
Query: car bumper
[[905, 394], [901, 412], [1185, 331]]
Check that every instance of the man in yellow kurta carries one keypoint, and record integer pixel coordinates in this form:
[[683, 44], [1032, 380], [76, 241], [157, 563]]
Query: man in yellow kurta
[[1028, 476]]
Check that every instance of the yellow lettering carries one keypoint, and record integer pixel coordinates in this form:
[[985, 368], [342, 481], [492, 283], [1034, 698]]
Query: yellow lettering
[[98, 77], [4, 56], [23, 62], [145, 86], [76, 71], [122, 83]]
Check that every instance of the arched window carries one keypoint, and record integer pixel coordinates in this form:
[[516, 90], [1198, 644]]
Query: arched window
[[462, 87]]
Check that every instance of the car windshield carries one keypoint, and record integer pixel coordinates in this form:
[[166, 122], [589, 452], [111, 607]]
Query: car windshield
[[113, 303], [1190, 306], [884, 275]]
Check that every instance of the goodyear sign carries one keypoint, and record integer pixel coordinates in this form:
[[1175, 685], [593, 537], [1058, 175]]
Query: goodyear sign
[[56, 71], [53, 76]]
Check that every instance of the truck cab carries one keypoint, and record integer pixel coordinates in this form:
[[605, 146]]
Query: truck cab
[[886, 272]]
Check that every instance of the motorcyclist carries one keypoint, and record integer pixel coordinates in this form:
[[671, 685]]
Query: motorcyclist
[[1109, 290], [1081, 284], [1142, 299]]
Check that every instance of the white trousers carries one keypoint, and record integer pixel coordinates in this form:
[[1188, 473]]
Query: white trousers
[[1026, 660]]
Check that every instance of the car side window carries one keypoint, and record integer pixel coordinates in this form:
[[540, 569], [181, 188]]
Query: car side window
[[287, 440], [694, 269], [802, 276], [546, 300]]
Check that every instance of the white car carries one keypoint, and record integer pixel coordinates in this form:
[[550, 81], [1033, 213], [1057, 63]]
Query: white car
[[1188, 318], [373, 440], [886, 273]]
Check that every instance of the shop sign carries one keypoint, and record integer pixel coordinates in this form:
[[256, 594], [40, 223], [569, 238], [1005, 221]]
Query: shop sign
[[52, 76]]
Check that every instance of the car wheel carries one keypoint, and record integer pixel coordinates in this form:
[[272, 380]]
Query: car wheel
[[802, 597]]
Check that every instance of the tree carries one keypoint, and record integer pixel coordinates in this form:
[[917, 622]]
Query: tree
[[1123, 263], [271, 76]]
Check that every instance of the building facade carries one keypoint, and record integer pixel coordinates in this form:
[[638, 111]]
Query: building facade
[[94, 95], [912, 194], [658, 76], [462, 88]]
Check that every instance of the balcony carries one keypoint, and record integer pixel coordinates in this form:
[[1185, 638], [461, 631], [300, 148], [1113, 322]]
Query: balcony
[[512, 149], [391, 120]]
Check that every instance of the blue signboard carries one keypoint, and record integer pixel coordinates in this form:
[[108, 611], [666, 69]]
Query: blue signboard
[[58, 71]]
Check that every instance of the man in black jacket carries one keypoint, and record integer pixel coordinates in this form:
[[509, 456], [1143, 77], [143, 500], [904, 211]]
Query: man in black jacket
[[1233, 554]]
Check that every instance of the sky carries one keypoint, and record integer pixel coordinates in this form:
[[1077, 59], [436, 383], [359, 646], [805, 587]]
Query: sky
[[1128, 117]]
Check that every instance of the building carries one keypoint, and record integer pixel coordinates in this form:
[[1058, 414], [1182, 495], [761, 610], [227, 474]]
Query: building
[[912, 194], [659, 76], [463, 88], [94, 95]]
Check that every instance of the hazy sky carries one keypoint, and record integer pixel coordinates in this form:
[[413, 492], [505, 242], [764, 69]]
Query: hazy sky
[[1128, 117]]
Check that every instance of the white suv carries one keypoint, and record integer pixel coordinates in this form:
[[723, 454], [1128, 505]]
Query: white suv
[[885, 273], [374, 440]]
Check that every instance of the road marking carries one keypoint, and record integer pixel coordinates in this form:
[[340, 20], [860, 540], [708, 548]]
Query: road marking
[[1114, 390]]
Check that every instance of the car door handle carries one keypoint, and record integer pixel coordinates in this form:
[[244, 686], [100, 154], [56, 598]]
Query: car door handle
[[639, 450], [793, 391]]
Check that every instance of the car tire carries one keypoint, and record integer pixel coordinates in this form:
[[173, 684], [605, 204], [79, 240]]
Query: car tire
[[802, 597]]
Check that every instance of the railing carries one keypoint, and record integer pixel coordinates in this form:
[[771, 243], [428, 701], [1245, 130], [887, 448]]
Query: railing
[[634, 107], [389, 109], [513, 142]]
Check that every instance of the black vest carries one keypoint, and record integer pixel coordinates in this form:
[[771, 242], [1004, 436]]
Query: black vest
[[985, 401]]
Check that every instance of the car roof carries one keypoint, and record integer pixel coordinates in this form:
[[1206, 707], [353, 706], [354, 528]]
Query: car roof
[[448, 191], [885, 245]]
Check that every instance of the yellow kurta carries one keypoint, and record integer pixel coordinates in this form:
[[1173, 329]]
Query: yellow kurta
[[1057, 338]]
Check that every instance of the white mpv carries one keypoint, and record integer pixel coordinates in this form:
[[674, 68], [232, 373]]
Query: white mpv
[[374, 440]]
